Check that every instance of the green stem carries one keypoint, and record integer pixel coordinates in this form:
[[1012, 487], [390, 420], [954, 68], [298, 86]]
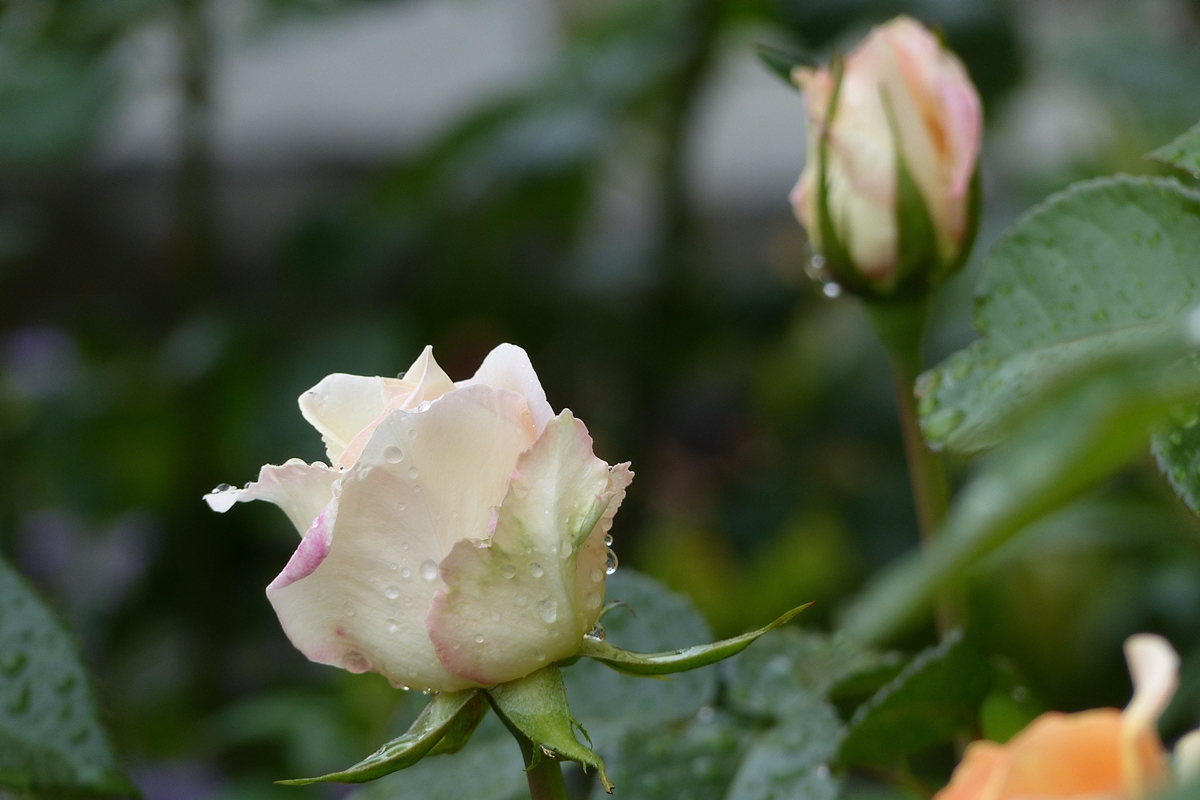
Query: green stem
[[900, 325], [545, 777]]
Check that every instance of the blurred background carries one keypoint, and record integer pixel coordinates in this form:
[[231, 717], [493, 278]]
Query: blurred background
[[208, 205]]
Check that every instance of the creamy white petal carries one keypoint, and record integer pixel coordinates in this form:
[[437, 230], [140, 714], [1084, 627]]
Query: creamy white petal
[[341, 405], [1187, 758], [425, 480], [1154, 668], [509, 367], [300, 489], [516, 603]]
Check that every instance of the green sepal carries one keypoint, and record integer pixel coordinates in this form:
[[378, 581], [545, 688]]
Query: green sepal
[[536, 707], [443, 727], [651, 665], [783, 61], [974, 215], [1183, 153], [837, 260]]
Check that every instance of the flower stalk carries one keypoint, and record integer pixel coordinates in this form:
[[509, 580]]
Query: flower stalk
[[543, 773]]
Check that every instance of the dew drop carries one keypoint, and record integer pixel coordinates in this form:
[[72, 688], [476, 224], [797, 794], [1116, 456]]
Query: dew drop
[[540, 656], [406, 573], [832, 290], [392, 626], [479, 638], [429, 570], [221, 487], [508, 571], [608, 540], [596, 634], [591, 600], [597, 575], [404, 545], [355, 662], [522, 601], [412, 433], [408, 602], [412, 473], [391, 593], [393, 454], [548, 610], [610, 565], [535, 569], [392, 567], [349, 610], [565, 552]]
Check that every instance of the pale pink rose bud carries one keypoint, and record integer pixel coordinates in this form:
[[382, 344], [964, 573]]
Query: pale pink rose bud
[[897, 127], [458, 540]]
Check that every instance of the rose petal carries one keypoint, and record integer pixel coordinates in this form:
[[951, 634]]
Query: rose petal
[[1154, 668], [425, 480], [525, 598], [341, 405], [1187, 758], [425, 382], [508, 367], [1065, 755], [980, 770], [301, 490]]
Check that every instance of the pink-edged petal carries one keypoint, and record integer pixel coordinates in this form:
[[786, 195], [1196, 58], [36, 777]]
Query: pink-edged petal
[[341, 405], [425, 382], [509, 367], [424, 480], [515, 603], [300, 489], [314, 546]]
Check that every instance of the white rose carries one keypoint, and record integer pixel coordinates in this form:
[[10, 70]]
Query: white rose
[[458, 540]]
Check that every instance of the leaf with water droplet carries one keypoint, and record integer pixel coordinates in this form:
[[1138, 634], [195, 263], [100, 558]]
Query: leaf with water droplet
[[50, 738], [672, 661], [450, 717]]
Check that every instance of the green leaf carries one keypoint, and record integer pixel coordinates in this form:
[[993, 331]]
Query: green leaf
[[1176, 446], [792, 759], [489, 769], [651, 618], [790, 668], [536, 705], [932, 699], [696, 761], [50, 734], [671, 661], [451, 715], [1083, 279], [783, 61], [1183, 153], [1078, 440]]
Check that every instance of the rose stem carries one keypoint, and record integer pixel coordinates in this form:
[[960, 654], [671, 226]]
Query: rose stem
[[900, 326], [545, 778]]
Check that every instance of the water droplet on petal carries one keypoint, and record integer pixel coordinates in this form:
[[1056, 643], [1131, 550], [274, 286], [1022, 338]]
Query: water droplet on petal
[[393, 454], [221, 487], [597, 575], [597, 633], [391, 593], [412, 473], [401, 507], [406, 573], [566, 551], [392, 567], [429, 570], [392, 626], [522, 601], [610, 566], [508, 571], [540, 656], [479, 638], [548, 610], [424, 405], [412, 433], [408, 602], [591, 600], [535, 569], [608, 540], [349, 610]]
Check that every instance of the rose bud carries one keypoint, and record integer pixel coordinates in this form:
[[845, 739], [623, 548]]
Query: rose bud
[[890, 194], [1099, 753], [458, 540]]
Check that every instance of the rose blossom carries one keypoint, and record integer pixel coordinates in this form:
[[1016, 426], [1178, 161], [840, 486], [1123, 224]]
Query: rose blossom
[[457, 540], [900, 91]]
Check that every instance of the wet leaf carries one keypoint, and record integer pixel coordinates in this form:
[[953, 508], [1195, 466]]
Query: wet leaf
[[1183, 153]]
